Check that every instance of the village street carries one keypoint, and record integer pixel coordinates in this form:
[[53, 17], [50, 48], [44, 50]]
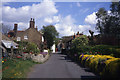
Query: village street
[[58, 66]]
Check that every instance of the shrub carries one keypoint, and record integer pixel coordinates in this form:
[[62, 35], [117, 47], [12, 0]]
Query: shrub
[[104, 49], [98, 49], [28, 47], [31, 47], [112, 68], [80, 41], [79, 44], [105, 65]]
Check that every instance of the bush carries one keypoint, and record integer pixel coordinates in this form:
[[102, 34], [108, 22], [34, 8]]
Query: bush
[[106, 66], [79, 44], [28, 47], [80, 41], [112, 68], [31, 47], [98, 49]]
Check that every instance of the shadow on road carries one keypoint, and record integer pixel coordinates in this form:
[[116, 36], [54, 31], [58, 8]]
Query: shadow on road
[[68, 59]]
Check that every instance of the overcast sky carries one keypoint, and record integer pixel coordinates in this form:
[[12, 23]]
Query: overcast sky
[[67, 17]]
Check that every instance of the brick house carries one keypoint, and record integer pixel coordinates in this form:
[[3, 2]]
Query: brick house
[[31, 34]]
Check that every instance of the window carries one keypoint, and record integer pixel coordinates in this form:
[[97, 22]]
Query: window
[[25, 37], [42, 39], [18, 38]]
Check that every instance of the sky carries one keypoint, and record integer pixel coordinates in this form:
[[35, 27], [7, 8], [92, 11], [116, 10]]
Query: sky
[[67, 17]]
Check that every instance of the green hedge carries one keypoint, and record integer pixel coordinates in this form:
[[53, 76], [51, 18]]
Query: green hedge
[[98, 49]]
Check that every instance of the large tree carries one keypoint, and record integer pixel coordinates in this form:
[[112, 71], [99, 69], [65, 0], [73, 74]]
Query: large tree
[[115, 18], [50, 34], [108, 22]]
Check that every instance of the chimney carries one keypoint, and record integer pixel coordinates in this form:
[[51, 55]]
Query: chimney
[[15, 29], [36, 28], [32, 23], [78, 33]]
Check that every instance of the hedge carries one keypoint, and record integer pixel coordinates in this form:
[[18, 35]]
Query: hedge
[[105, 65], [98, 49]]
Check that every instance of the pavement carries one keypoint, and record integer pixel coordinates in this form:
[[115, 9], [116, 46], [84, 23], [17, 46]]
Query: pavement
[[60, 66]]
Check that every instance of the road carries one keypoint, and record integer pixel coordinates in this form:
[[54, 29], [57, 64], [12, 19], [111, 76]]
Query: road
[[58, 66]]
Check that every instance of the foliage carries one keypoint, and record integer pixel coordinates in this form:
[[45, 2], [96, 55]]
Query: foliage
[[98, 49], [28, 47], [80, 41], [50, 34], [108, 23], [79, 45], [31, 47], [106, 66], [22, 44], [57, 41], [16, 68]]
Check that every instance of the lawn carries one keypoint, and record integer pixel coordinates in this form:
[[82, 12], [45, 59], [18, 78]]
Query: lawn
[[16, 68]]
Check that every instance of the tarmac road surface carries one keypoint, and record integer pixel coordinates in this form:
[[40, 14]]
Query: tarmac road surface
[[59, 66]]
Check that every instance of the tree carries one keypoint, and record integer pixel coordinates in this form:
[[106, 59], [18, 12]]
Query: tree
[[115, 18], [91, 41], [5, 29], [101, 20], [109, 23], [50, 34]]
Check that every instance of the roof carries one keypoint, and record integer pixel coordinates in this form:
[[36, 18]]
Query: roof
[[67, 38], [4, 37], [8, 44]]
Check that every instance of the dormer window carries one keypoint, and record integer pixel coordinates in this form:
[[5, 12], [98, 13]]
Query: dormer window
[[25, 37]]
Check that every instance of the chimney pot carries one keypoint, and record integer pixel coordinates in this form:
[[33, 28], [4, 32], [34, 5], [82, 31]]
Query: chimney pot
[[31, 19]]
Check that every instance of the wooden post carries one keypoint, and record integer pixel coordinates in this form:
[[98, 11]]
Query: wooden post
[[11, 51]]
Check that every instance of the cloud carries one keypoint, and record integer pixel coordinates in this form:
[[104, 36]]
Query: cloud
[[91, 19], [50, 20], [45, 13], [24, 13], [84, 27], [78, 4], [66, 26]]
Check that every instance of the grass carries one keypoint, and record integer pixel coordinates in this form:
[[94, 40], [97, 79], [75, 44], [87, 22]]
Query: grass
[[16, 68]]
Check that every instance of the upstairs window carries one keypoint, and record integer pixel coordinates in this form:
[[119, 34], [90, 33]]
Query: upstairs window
[[18, 38], [25, 37]]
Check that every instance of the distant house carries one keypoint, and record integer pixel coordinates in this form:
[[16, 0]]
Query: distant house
[[67, 40], [31, 34]]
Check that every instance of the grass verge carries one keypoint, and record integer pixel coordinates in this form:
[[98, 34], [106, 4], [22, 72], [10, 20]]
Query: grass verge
[[16, 68]]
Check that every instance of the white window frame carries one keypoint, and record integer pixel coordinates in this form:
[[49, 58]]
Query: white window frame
[[18, 38], [25, 37]]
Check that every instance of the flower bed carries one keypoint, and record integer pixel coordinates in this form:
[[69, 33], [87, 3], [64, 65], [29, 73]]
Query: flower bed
[[104, 65]]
